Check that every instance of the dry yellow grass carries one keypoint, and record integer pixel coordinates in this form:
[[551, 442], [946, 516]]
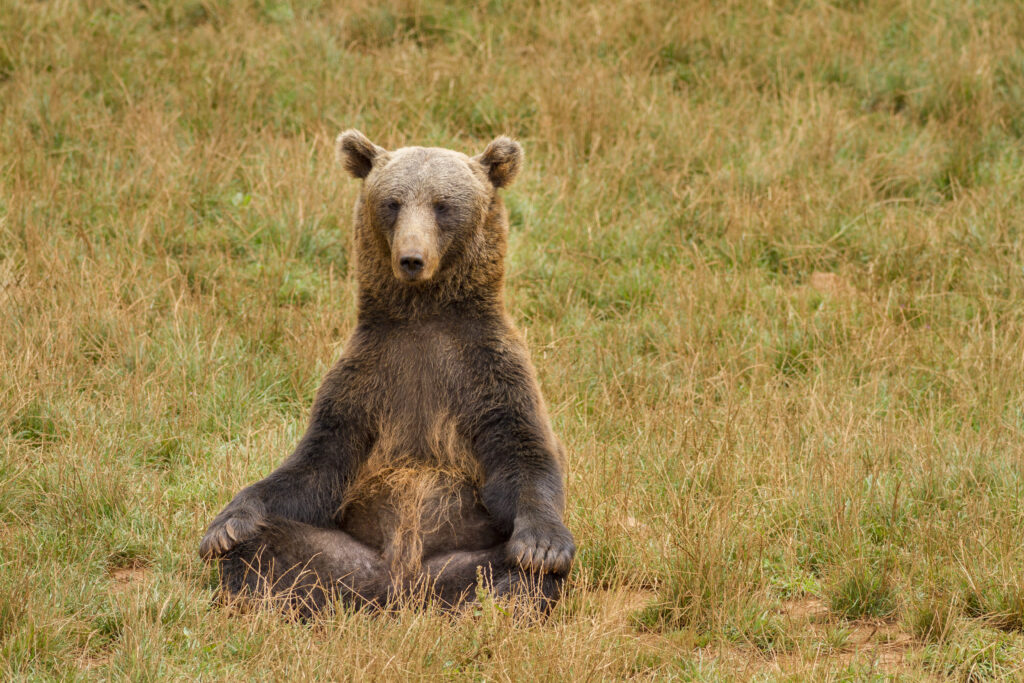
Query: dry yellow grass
[[768, 257]]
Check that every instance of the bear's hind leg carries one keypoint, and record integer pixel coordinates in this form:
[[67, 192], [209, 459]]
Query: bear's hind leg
[[452, 579], [305, 568]]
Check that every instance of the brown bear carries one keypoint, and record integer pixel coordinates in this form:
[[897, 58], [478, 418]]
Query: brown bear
[[429, 464]]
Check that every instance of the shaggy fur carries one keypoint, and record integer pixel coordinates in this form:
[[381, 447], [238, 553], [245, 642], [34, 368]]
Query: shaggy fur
[[429, 464]]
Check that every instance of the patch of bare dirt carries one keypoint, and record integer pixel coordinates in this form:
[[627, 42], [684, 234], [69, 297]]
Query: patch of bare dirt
[[129, 576], [831, 643], [884, 642], [823, 642], [806, 609]]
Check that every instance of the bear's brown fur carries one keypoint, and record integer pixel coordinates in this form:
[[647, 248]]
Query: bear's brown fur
[[429, 460]]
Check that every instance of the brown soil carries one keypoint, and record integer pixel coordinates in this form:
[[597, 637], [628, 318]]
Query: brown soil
[[129, 576]]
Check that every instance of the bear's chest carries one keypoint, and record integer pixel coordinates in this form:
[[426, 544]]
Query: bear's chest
[[422, 379]]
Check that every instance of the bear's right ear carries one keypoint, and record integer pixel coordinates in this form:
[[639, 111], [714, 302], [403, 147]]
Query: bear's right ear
[[356, 153]]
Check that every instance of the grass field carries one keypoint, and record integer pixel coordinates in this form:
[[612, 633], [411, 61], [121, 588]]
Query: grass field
[[769, 257]]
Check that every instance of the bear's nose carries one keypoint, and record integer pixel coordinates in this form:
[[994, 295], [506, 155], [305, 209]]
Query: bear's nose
[[411, 265]]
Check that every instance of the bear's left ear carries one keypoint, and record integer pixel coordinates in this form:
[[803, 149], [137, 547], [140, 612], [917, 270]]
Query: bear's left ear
[[356, 153], [501, 160]]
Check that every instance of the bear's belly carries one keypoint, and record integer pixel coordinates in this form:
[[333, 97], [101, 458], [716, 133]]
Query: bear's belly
[[419, 518], [413, 511]]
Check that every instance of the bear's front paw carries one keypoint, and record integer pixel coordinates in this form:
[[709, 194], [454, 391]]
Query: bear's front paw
[[542, 546], [228, 530]]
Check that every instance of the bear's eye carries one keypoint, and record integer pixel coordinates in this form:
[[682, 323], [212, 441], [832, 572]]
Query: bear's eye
[[441, 208], [393, 205]]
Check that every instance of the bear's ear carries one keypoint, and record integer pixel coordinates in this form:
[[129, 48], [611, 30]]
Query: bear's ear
[[501, 160], [356, 153]]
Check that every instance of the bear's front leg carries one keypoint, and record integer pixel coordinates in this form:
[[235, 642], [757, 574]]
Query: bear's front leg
[[307, 487], [523, 484]]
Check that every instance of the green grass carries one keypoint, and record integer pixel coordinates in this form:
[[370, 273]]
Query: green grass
[[767, 257]]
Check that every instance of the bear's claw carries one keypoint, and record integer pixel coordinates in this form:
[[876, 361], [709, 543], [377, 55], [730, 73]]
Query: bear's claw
[[225, 533], [542, 547]]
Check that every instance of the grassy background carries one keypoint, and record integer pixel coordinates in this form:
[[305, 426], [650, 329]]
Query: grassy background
[[768, 257]]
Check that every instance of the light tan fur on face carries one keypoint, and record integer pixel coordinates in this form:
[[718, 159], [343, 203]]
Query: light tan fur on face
[[418, 181], [415, 236]]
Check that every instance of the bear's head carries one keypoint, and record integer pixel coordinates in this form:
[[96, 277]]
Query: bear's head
[[429, 219]]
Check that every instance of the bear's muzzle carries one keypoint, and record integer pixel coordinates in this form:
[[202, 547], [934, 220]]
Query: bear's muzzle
[[414, 256]]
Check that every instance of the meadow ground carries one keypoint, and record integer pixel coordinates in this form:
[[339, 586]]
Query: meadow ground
[[768, 256]]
